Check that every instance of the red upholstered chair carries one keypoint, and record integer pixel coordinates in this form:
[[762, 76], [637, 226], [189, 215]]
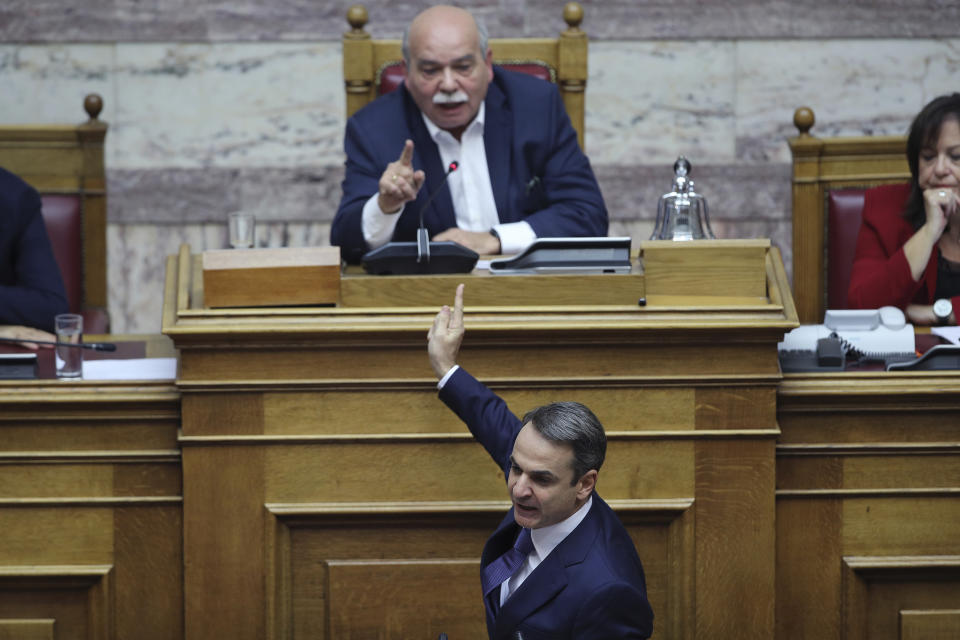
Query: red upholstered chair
[[372, 68], [65, 164], [830, 176], [844, 214]]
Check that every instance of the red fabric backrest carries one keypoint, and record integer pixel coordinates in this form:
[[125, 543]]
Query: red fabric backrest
[[392, 75], [844, 213], [61, 214]]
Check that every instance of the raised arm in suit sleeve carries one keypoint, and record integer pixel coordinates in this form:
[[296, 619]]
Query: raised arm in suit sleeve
[[31, 288], [485, 414]]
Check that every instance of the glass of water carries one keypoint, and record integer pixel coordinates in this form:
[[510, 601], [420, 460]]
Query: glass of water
[[242, 227], [69, 328]]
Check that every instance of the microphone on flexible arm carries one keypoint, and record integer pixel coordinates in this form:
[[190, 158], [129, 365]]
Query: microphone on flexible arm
[[93, 346], [422, 256], [423, 238]]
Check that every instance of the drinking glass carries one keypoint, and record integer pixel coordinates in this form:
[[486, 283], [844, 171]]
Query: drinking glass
[[69, 329], [242, 226]]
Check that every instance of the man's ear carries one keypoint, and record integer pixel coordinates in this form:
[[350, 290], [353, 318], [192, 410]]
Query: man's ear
[[489, 62], [586, 484], [406, 75]]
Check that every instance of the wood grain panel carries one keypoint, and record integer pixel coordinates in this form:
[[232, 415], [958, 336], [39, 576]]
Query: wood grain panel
[[148, 545], [404, 598], [688, 358], [341, 565], [33, 480], [878, 589], [930, 625], [853, 469], [735, 539], [223, 539], [463, 471], [27, 629], [736, 407], [74, 597], [87, 433], [901, 526], [56, 535], [808, 569]]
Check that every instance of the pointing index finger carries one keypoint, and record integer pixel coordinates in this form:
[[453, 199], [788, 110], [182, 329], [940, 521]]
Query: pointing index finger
[[456, 321], [406, 156]]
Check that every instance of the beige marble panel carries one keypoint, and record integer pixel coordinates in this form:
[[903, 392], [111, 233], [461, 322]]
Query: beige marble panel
[[43, 84], [648, 102], [227, 105], [855, 87]]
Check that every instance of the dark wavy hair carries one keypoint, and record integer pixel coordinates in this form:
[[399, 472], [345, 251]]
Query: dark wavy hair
[[924, 132], [574, 424]]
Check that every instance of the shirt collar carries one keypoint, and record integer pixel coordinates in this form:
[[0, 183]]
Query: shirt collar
[[545, 539], [436, 131]]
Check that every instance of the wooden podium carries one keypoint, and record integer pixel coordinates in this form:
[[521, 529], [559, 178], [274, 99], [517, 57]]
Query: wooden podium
[[327, 492]]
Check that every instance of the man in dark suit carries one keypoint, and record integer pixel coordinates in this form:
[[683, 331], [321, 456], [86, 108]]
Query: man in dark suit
[[521, 172], [560, 564], [31, 287]]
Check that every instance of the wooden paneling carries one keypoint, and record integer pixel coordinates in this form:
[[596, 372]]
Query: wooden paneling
[[90, 510], [868, 504], [321, 473]]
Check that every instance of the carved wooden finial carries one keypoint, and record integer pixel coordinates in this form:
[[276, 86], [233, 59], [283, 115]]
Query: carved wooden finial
[[803, 120], [93, 105], [573, 14], [357, 16]]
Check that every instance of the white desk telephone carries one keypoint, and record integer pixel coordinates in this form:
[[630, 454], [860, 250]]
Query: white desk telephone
[[867, 333]]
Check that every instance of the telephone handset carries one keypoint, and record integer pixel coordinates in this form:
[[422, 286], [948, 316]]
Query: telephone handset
[[867, 334]]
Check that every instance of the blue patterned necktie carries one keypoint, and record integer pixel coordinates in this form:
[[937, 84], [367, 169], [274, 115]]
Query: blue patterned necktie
[[507, 564]]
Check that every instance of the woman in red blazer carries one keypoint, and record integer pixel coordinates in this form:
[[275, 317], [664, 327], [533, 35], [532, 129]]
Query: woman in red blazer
[[908, 248]]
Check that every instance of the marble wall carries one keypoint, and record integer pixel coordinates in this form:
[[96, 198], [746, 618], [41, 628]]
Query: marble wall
[[218, 106]]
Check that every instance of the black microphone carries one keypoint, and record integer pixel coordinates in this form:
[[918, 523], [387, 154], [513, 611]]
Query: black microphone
[[94, 346], [423, 238]]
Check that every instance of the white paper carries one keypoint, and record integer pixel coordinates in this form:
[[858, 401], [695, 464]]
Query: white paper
[[950, 333], [133, 369]]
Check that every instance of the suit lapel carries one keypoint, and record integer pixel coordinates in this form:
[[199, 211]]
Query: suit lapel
[[497, 134], [550, 576]]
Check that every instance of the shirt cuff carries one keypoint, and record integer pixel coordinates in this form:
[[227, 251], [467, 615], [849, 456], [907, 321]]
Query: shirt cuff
[[446, 376], [515, 236], [378, 226]]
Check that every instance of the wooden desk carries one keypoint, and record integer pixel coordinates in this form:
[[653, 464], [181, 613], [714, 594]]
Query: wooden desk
[[90, 508], [868, 506], [329, 494]]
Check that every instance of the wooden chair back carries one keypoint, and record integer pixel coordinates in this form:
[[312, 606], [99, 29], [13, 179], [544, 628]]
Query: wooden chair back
[[837, 171], [369, 65], [64, 163]]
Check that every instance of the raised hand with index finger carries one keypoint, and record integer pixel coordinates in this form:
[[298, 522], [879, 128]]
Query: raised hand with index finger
[[399, 183]]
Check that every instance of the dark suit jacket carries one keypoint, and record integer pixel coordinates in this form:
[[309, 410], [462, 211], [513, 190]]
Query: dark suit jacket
[[537, 170], [881, 274], [591, 585], [31, 288]]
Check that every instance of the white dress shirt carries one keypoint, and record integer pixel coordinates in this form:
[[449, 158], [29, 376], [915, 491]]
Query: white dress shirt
[[545, 540], [470, 189]]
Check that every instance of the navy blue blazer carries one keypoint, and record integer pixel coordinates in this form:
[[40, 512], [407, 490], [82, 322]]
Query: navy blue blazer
[[591, 585], [537, 170], [31, 287]]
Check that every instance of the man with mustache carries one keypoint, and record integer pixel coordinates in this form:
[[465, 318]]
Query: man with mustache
[[560, 565], [521, 172]]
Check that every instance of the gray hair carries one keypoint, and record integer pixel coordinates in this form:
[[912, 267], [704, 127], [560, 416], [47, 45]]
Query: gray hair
[[482, 33], [574, 424]]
